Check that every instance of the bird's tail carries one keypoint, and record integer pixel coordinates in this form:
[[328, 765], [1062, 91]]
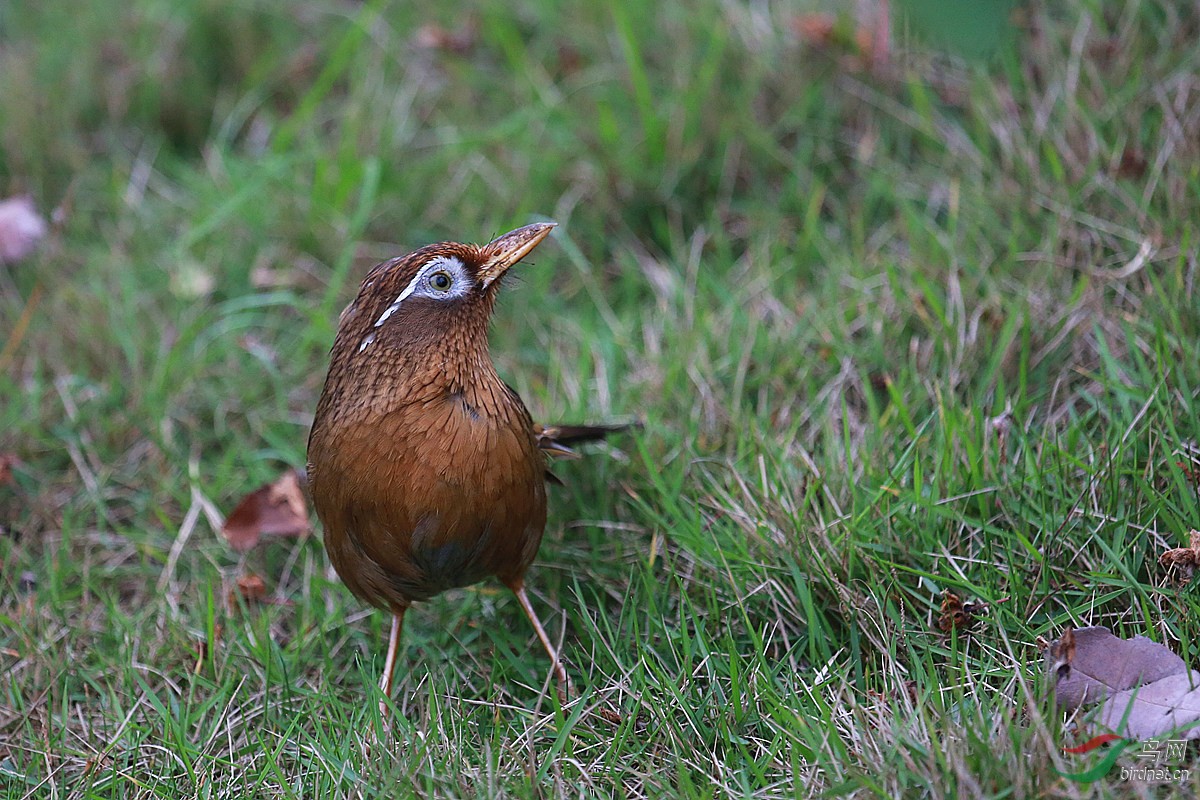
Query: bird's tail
[[555, 439]]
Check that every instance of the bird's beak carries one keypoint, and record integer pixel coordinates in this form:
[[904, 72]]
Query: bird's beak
[[510, 248]]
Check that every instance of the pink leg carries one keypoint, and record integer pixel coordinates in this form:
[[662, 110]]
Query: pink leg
[[389, 664], [518, 587]]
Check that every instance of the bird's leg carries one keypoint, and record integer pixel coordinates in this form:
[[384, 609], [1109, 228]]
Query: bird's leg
[[518, 588], [389, 664]]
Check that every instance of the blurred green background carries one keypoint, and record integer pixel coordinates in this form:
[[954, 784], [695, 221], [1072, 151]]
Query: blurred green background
[[905, 297]]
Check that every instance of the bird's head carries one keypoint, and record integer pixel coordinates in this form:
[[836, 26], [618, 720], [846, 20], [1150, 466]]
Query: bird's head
[[439, 297]]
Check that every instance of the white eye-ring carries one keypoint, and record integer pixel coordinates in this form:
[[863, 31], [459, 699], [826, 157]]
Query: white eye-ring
[[443, 278]]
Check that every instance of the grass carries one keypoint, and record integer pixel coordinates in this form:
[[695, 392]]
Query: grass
[[932, 328]]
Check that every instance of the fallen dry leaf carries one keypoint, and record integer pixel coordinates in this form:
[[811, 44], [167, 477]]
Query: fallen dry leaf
[[1185, 559], [608, 715], [1192, 473], [1132, 164], [816, 29], [6, 464], [957, 615], [908, 690], [459, 41], [276, 509], [253, 591], [570, 60], [21, 228], [863, 39], [1144, 689], [251, 587]]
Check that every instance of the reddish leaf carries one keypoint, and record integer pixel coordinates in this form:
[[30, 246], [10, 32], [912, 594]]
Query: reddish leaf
[[253, 590], [6, 464], [1133, 164], [570, 60], [276, 509], [1092, 744], [459, 41], [252, 587], [816, 29], [863, 38]]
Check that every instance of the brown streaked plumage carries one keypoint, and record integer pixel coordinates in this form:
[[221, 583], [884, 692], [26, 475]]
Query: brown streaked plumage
[[425, 468]]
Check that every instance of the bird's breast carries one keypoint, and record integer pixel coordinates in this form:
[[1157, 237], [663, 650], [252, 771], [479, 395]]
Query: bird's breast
[[429, 495]]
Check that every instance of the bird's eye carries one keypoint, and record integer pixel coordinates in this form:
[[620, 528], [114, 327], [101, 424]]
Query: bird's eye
[[441, 281]]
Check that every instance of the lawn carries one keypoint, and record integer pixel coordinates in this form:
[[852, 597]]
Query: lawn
[[896, 324]]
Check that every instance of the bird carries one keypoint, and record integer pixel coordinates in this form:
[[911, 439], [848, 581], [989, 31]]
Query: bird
[[425, 468]]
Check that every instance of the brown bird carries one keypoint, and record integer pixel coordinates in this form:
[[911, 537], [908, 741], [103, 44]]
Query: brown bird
[[426, 470]]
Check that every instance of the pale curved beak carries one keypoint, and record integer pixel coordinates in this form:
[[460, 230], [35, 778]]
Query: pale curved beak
[[510, 248]]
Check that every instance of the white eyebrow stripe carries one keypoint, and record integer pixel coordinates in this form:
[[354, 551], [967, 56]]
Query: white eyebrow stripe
[[440, 262], [387, 312]]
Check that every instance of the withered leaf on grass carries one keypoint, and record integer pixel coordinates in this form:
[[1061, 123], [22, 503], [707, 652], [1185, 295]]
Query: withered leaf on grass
[[1184, 558], [1143, 688], [1190, 471], [6, 464], [276, 509], [1132, 164], [816, 29], [957, 615], [460, 40], [864, 40], [251, 587]]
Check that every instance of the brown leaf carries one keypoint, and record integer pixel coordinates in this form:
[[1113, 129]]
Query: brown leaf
[[251, 587], [253, 590], [21, 229], [908, 690], [1183, 558], [570, 60], [816, 29], [276, 509], [864, 37], [459, 41], [1143, 688], [957, 615], [1133, 163], [608, 715], [1192, 473], [7, 460]]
